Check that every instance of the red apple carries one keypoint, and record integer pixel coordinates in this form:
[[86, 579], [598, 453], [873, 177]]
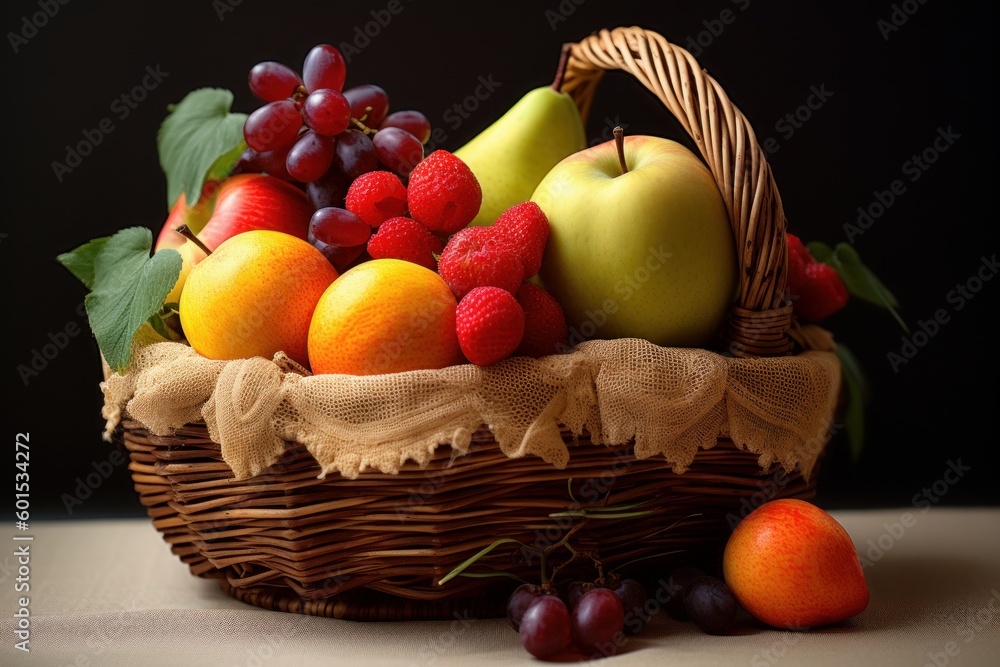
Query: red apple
[[237, 204], [194, 217], [793, 566]]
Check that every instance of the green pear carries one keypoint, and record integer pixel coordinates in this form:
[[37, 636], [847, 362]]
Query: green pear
[[512, 156]]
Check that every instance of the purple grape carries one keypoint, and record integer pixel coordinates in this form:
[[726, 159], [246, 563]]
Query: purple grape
[[398, 150], [633, 597], [273, 126], [519, 601], [310, 157], [327, 112], [339, 234], [677, 583], [597, 622], [328, 190], [271, 81], [413, 122], [247, 163], [354, 154], [710, 604], [324, 67], [369, 104], [576, 590], [272, 163], [338, 227], [545, 627]]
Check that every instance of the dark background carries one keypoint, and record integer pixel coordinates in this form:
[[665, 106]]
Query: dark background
[[889, 99]]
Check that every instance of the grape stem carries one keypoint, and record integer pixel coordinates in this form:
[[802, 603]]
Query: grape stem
[[186, 232], [543, 558], [600, 569], [555, 569], [361, 126], [360, 122]]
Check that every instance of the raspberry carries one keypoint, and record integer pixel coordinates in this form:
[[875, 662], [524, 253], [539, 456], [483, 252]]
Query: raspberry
[[443, 193], [376, 196], [816, 289], [405, 238], [545, 330], [490, 324], [473, 259], [524, 228]]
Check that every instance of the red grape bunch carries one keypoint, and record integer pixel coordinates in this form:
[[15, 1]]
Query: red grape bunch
[[314, 133], [591, 619], [595, 618]]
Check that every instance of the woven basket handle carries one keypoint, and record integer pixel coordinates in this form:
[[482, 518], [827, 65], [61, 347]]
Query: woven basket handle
[[758, 324]]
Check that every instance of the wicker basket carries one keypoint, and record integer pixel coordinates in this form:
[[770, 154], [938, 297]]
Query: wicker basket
[[375, 548]]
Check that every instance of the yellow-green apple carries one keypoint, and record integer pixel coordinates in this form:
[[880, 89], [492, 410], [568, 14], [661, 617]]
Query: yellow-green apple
[[237, 204], [640, 243], [254, 296]]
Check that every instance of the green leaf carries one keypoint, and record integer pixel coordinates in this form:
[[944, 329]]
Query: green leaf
[[821, 252], [859, 280], [159, 324], [129, 288], [866, 285], [198, 140], [223, 166], [858, 394], [80, 261]]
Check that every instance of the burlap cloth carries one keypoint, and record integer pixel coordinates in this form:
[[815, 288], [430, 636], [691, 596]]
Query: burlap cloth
[[669, 401]]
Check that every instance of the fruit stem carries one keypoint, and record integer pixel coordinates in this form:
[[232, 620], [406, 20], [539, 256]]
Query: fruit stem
[[561, 67], [361, 126], [300, 94], [620, 145], [543, 557], [600, 571], [555, 569], [186, 232]]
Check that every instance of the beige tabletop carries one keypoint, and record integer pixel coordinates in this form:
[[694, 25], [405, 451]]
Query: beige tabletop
[[111, 593]]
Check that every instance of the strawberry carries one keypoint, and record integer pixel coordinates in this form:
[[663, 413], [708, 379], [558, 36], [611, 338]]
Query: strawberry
[[799, 258], [490, 324], [545, 330], [524, 228], [376, 196], [473, 259], [816, 289], [443, 193], [405, 238]]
